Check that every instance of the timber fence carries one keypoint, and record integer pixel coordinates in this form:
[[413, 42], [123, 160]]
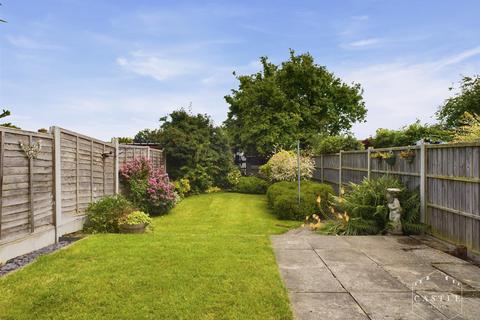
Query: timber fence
[[446, 175], [48, 179]]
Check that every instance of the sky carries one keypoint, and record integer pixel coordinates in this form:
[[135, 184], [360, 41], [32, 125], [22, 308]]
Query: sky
[[112, 68]]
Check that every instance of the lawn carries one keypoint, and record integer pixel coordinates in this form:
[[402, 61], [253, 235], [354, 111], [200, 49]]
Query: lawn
[[210, 258]]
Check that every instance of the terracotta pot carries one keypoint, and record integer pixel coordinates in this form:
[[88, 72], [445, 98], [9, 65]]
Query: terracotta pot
[[132, 228]]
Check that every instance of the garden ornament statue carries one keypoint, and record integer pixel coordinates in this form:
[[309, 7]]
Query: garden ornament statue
[[395, 211]]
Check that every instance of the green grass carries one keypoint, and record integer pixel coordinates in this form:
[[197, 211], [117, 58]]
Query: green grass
[[210, 258]]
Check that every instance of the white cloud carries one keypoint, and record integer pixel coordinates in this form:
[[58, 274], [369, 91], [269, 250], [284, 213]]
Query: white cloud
[[29, 43], [458, 57], [364, 43], [361, 18], [398, 93], [157, 67]]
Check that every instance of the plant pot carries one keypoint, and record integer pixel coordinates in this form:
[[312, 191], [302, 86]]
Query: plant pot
[[132, 228], [410, 159], [391, 161]]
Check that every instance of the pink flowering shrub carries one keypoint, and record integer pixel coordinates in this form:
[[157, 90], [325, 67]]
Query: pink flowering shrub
[[147, 188]]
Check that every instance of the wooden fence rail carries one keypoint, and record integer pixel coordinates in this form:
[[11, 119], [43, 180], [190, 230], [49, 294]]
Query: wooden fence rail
[[48, 179], [447, 177]]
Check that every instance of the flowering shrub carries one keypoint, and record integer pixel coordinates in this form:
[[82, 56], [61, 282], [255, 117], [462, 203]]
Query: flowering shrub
[[147, 188], [283, 166], [233, 177]]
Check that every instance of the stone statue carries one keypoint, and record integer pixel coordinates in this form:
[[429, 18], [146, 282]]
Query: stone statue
[[395, 210]]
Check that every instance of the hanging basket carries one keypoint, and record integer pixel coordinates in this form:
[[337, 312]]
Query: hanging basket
[[391, 161]]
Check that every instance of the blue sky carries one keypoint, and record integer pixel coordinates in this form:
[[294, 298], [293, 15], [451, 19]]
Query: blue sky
[[112, 68]]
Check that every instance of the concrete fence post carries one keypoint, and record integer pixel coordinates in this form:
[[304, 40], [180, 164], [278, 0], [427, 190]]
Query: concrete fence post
[[340, 173], [322, 171], [57, 166], [369, 163], [423, 182], [116, 168]]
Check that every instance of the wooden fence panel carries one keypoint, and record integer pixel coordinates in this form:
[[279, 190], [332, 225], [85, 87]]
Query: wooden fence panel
[[26, 183], [128, 152], [87, 171], [453, 193], [450, 195]]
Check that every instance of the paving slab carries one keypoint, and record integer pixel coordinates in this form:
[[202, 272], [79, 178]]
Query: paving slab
[[366, 278], [297, 259], [465, 273], [331, 306], [343, 256], [327, 242], [380, 242], [435, 256], [290, 242], [372, 277], [310, 279], [456, 306], [390, 256], [411, 274], [396, 305]]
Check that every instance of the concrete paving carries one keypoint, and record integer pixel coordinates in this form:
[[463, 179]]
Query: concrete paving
[[374, 277]]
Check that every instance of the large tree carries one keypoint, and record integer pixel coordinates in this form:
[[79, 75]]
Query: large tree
[[194, 147], [468, 100], [298, 99]]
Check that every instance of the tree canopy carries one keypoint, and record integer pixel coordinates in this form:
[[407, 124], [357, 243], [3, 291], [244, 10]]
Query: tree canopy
[[194, 147], [298, 99], [468, 100], [409, 135], [4, 114]]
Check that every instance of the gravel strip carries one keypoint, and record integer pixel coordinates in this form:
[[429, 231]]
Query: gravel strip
[[25, 259]]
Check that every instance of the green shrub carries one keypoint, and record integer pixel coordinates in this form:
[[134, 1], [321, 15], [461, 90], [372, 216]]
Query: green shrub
[[314, 198], [103, 215], [233, 177], [136, 217], [182, 187], [251, 185], [333, 144], [364, 209], [199, 179]]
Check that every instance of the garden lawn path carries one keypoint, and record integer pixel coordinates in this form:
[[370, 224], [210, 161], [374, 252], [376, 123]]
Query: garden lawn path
[[210, 258]]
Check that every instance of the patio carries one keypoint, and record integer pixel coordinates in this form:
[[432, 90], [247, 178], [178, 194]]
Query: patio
[[374, 277]]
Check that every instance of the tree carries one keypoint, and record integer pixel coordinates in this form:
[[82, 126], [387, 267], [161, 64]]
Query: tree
[[298, 99], [410, 135], [194, 147], [469, 130], [147, 136], [468, 100], [333, 144], [125, 140], [4, 114]]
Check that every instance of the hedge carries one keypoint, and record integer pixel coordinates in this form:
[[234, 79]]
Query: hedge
[[283, 199], [251, 185]]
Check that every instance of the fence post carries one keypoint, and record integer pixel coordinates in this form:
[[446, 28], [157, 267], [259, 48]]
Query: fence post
[[369, 163], [116, 168], [321, 169], [340, 173], [57, 165], [423, 182]]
